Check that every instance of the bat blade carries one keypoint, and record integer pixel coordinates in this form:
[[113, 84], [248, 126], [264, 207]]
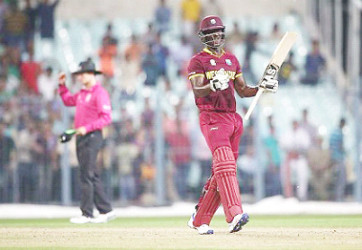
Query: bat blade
[[276, 61], [283, 48]]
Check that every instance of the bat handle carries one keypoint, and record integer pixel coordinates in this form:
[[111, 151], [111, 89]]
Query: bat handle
[[253, 103]]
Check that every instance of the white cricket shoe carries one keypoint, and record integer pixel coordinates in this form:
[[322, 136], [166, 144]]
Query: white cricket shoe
[[104, 218], [238, 221], [203, 229], [80, 220]]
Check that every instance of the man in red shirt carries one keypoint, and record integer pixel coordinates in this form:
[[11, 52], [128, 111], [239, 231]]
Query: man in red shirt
[[214, 75], [93, 112], [30, 71]]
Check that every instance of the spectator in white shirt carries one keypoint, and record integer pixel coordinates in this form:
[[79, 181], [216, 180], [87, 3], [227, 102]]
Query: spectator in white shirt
[[47, 84]]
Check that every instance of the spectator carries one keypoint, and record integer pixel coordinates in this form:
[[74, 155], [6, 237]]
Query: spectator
[[46, 11], [3, 10], [147, 116], [273, 154], [150, 67], [287, 69], [46, 159], [126, 153], [28, 171], [46, 18], [309, 127], [247, 164], [7, 158], [13, 63], [108, 52], [30, 71], [181, 54], [296, 142], [336, 147], [236, 37], [180, 153], [321, 175], [31, 13], [162, 17], [5, 95], [250, 48], [149, 37], [191, 11], [47, 84], [134, 49], [314, 65], [248, 139], [15, 24], [161, 52], [129, 77], [275, 35], [109, 37]]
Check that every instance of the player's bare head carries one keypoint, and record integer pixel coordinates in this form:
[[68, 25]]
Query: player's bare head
[[212, 32]]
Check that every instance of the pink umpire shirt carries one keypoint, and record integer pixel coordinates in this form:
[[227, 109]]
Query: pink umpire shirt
[[93, 108]]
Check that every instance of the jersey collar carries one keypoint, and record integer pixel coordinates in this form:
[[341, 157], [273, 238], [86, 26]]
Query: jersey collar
[[213, 54]]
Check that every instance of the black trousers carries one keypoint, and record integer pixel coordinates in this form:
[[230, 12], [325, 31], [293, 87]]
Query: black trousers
[[92, 192]]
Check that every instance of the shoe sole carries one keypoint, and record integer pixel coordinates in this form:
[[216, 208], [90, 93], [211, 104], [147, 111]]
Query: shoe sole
[[243, 220], [210, 231], [80, 222]]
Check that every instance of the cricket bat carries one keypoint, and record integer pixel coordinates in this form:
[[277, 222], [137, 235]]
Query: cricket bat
[[276, 61]]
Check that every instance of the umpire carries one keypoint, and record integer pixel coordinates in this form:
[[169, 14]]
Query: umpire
[[93, 112]]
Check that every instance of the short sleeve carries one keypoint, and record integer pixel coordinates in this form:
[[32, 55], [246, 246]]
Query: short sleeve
[[238, 71], [195, 68]]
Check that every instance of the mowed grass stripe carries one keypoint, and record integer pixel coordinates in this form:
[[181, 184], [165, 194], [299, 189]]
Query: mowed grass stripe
[[320, 221]]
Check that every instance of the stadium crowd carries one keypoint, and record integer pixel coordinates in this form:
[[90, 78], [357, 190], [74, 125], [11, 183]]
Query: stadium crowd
[[298, 163]]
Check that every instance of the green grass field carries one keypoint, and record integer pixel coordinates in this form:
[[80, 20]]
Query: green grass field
[[262, 232]]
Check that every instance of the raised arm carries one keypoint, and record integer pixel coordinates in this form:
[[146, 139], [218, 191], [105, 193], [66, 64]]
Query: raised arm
[[68, 98]]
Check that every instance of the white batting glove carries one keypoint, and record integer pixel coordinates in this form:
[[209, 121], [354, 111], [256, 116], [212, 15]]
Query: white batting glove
[[269, 84], [220, 81]]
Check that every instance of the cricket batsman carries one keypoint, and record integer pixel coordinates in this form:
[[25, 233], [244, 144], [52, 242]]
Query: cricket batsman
[[214, 75]]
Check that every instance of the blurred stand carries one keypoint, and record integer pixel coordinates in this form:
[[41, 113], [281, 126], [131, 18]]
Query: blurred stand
[[154, 110]]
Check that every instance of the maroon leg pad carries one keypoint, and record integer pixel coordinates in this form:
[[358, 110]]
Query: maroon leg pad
[[208, 203], [224, 167]]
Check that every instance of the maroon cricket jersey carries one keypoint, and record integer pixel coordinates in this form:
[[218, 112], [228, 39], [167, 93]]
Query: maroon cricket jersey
[[207, 64]]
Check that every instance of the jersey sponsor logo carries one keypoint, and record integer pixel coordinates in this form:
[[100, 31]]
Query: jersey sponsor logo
[[212, 62], [211, 74], [228, 62], [214, 128]]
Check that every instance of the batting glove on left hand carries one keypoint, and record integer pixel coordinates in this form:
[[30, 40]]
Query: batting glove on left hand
[[220, 81], [269, 84]]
